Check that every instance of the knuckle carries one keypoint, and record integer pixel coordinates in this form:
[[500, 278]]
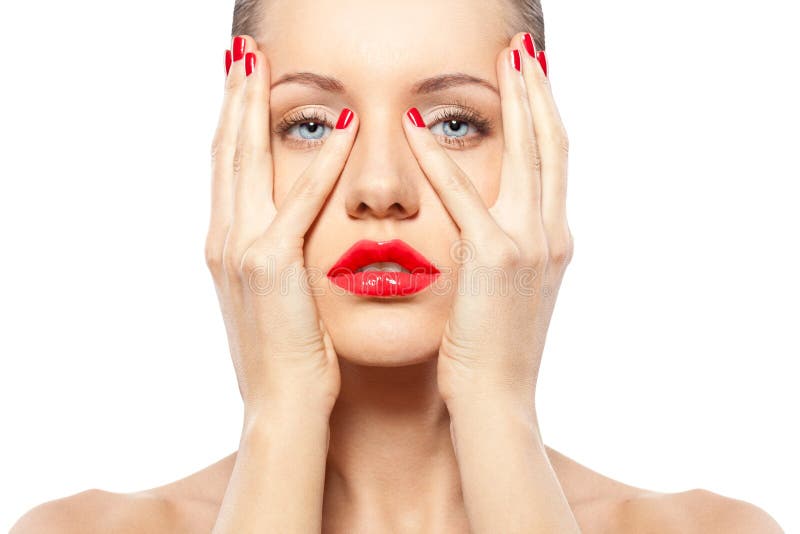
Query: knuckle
[[277, 249], [561, 249], [532, 156], [282, 245], [563, 140], [253, 263], [522, 98], [558, 138], [237, 162], [528, 153], [505, 253], [536, 251], [541, 79], [559, 254], [456, 181], [231, 262], [242, 157], [213, 258], [233, 85], [262, 268], [537, 256], [219, 147], [253, 93]]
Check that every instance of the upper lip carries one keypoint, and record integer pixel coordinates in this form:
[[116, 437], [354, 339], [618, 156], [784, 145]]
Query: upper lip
[[366, 251]]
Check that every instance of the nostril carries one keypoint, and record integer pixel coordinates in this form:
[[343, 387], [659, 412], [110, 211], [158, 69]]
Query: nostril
[[395, 209], [362, 207]]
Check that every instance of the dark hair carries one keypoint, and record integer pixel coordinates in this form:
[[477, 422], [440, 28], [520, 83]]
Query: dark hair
[[248, 17]]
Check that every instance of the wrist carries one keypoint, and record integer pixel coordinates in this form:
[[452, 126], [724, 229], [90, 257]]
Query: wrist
[[517, 407], [505, 421], [493, 416], [294, 436], [289, 407], [284, 416]]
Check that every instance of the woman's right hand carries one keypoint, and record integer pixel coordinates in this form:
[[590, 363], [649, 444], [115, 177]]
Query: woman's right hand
[[281, 352]]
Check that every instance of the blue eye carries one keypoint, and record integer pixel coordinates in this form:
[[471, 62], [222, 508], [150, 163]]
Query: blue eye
[[307, 127], [460, 126], [310, 130], [453, 128]]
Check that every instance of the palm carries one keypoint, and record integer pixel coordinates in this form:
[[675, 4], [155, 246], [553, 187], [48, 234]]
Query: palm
[[514, 253]]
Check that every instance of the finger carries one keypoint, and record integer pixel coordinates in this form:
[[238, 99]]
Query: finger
[[551, 136], [223, 148], [306, 197], [518, 206], [252, 167], [453, 186]]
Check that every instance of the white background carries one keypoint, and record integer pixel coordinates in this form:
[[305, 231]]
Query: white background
[[672, 359]]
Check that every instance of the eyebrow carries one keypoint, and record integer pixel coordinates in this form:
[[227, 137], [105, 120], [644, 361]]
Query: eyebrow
[[422, 87]]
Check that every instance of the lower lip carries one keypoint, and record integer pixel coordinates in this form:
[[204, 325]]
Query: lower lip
[[384, 283]]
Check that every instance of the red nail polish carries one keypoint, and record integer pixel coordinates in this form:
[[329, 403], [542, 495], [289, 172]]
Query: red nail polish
[[239, 44], [516, 60], [228, 61], [530, 46], [542, 61], [249, 63], [345, 117], [415, 117]]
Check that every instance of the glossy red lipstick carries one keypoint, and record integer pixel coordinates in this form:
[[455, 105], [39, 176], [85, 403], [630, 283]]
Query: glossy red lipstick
[[418, 273]]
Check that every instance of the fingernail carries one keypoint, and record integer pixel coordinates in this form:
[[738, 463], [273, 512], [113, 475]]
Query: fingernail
[[345, 117], [249, 63], [529, 45], [542, 61], [238, 48], [415, 117], [516, 60], [228, 61]]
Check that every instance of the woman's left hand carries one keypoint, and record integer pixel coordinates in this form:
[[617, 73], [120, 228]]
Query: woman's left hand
[[514, 253]]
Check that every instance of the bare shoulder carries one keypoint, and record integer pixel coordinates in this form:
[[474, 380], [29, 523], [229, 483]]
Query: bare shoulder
[[188, 505], [96, 511], [693, 511], [603, 505]]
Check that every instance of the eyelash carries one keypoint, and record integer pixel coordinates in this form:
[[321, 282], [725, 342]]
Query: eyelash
[[300, 117], [462, 112], [459, 111]]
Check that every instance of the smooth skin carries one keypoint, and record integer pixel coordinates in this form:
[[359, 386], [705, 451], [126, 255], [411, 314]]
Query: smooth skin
[[418, 416]]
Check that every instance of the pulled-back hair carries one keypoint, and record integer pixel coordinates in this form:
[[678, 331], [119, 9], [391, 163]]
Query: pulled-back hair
[[248, 16]]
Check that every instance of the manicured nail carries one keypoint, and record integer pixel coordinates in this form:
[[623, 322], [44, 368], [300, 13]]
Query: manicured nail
[[415, 117], [530, 46], [516, 60], [345, 117], [249, 63], [542, 61], [228, 61], [238, 48]]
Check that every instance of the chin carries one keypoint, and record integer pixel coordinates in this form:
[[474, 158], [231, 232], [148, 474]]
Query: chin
[[376, 332]]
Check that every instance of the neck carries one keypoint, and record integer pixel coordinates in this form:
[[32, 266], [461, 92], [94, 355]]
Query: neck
[[390, 448]]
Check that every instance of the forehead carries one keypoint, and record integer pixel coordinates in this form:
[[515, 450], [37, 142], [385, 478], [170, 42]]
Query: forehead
[[384, 41]]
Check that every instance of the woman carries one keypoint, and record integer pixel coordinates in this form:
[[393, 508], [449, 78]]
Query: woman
[[375, 399]]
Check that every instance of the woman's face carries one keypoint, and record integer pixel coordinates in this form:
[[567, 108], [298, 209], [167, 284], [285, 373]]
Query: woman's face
[[380, 52]]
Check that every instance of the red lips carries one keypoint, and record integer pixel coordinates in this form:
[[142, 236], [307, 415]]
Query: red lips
[[383, 283]]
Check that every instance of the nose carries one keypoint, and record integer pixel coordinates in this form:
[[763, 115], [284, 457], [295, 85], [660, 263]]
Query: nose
[[381, 176]]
